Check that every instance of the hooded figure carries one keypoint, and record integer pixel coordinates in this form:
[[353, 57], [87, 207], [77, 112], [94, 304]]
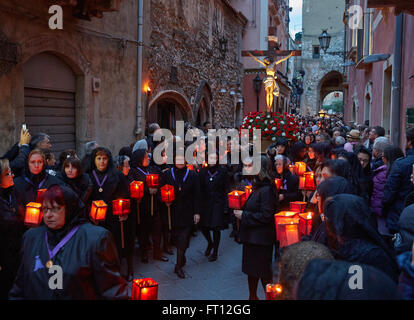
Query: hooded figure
[[352, 236], [405, 237], [85, 253], [330, 280]]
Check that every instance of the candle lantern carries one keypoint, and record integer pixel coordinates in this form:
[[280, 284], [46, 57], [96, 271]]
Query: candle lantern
[[190, 167], [168, 196], [288, 232], [98, 211], [300, 168], [298, 206], [305, 223], [144, 289], [273, 291], [292, 168], [301, 183], [33, 216], [121, 207], [152, 181], [137, 189], [309, 181], [247, 191], [278, 183], [236, 199], [40, 194], [283, 216]]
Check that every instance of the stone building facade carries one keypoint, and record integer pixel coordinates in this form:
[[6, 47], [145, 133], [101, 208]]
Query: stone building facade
[[77, 84], [192, 62], [323, 71]]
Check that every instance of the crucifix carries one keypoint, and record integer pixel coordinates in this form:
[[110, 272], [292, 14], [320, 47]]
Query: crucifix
[[270, 63]]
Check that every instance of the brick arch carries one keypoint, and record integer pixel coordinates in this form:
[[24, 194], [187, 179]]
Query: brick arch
[[182, 102]]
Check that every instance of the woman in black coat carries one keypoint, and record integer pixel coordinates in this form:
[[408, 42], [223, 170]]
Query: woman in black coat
[[353, 238], [214, 185], [109, 184], [72, 174], [184, 209], [257, 229], [34, 178], [149, 224], [89, 264], [290, 183], [11, 230]]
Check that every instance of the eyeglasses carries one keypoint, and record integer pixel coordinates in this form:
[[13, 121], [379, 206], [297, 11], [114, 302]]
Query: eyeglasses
[[54, 209]]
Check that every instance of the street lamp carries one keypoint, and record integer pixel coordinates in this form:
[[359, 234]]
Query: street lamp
[[324, 40], [322, 113], [257, 84]]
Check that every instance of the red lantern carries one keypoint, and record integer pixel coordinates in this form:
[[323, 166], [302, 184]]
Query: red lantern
[[33, 216], [137, 189], [305, 223], [281, 217], [292, 168], [40, 194], [120, 207], [288, 232], [247, 191], [152, 181], [167, 193], [273, 291], [300, 168], [301, 183], [236, 199], [144, 289], [298, 206], [278, 183], [190, 167], [309, 181], [98, 211]]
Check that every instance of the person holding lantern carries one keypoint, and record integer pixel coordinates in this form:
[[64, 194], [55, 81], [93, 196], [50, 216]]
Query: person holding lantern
[[214, 185], [184, 208], [109, 185], [72, 174], [89, 261], [11, 230], [34, 178], [290, 183], [150, 222], [257, 229]]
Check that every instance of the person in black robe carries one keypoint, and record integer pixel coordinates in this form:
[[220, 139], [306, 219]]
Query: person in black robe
[[150, 225], [353, 238], [87, 256], [330, 280], [109, 184], [184, 209], [72, 174], [34, 178], [290, 183], [257, 229], [214, 186], [11, 230]]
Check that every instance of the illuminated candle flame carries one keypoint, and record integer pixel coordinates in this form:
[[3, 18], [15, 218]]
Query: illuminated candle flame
[[309, 215]]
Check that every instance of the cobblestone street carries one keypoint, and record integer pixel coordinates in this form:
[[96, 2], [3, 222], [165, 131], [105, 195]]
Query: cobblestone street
[[219, 280]]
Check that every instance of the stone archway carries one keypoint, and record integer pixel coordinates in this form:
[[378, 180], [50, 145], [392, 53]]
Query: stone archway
[[331, 82], [167, 107], [202, 110]]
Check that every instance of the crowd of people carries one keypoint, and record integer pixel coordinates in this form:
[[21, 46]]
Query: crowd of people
[[363, 213]]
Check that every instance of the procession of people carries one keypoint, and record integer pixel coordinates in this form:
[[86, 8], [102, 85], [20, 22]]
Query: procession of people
[[363, 209]]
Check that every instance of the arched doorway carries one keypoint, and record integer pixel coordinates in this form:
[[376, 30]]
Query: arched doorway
[[167, 108], [49, 99], [238, 115], [331, 82], [202, 114]]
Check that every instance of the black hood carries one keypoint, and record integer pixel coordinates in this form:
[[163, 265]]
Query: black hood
[[110, 159], [329, 280], [137, 158], [333, 186]]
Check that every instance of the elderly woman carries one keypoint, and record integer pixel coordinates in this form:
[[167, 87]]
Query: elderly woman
[[86, 255], [257, 229], [11, 230]]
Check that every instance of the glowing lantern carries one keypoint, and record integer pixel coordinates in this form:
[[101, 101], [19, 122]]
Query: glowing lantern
[[288, 232], [33, 216], [273, 291], [168, 196], [236, 199], [247, 191], [298, 206], [40, 194], [301, 183], [278, 183], [144, 289], [121, 207], [300, 168], [98, 211], [305, 223], [283, 216], [309, 181], [292, 168], [137, 189], [190, 167], [152, 181]]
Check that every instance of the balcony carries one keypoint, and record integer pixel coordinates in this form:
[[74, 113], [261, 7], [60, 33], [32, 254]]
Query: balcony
[[400, 6]]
